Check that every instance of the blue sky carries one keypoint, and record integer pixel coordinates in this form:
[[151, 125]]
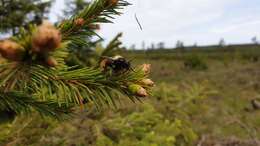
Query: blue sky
[[201, 21]]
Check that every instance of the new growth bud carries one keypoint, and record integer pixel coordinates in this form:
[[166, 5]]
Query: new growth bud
[[79, 22], [12, 50], [51, 62], [112, 2], [148, 82], [137, 90], [46, 38], [146, 68]]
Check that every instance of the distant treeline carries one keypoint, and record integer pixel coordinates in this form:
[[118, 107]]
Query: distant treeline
[[246, 51]]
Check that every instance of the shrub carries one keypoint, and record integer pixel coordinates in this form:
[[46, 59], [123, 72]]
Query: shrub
[[146, 128], [195, 62]]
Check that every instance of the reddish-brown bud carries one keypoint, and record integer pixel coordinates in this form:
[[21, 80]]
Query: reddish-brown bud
[[46, 38], [51, 62], [112, 2], [79, 22], [12, 50]]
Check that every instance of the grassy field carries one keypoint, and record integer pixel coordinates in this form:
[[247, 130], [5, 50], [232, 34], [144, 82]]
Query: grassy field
[[201, 98]]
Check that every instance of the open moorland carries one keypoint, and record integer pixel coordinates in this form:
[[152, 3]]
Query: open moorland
[[203, 96]]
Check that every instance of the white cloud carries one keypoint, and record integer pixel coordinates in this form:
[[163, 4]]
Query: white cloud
[[202, 21], [235, 27], [165, 20]]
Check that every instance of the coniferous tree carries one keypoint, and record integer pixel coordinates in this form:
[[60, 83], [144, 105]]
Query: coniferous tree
[[222, 43], [35, 77], [94, 50], [20, 13], [254, 40]]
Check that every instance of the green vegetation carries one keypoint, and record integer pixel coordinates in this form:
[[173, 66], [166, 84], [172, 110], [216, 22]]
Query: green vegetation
[[20, 13], [195, 62], [188, 106], [35, 75], [203, 95]]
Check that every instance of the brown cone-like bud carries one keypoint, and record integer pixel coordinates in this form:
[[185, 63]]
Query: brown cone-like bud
[[137, 90], [146, 68], [12, 50], [112, 2], [79, 22], [51, 62], [46, 38], [148, 82]]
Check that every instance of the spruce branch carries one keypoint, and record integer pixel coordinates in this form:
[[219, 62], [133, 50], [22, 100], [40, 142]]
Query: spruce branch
[[35, 76], [71, 86], [18, 102], [83, 85], [99, 11]]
